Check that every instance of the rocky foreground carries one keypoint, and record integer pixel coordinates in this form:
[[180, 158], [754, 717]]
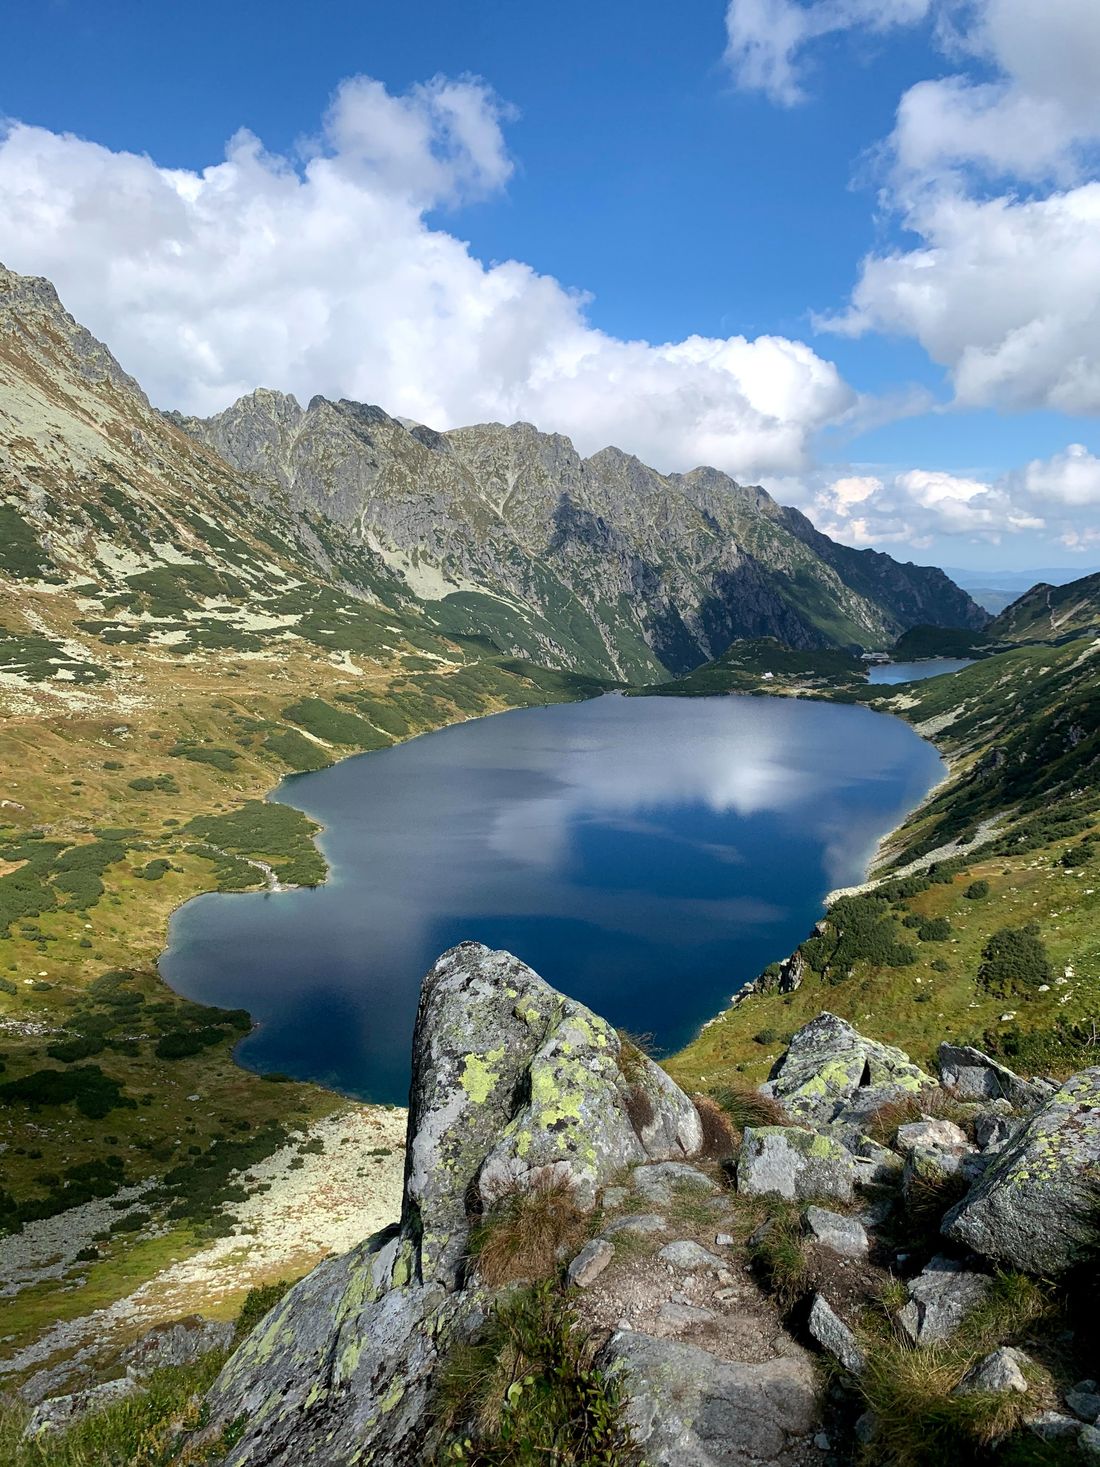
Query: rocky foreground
[[857, 1210]]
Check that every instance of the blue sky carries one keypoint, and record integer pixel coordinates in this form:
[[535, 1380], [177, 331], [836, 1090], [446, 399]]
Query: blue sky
[[710, 179]]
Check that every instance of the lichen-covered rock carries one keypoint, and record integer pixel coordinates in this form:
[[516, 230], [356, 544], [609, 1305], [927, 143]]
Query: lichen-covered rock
[[931, 1134], [513, 1084], [177, 1343], [785, 1161], [659, 1184], [58, 1412], [844, 1235], [1031, 1208], [831, 1072], [687, 1408], [976, 1076]]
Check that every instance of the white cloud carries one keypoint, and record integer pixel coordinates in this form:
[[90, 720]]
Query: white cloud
[[920, 508], [766, 39], [324, 276], [1070, 478]]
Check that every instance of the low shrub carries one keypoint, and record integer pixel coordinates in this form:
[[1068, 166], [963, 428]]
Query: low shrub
[[259, 1302], [976, 891], [1014, 960]]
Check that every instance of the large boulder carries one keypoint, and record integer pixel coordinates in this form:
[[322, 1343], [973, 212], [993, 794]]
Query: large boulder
[[513, 1085], [784, 1161], [1033, 1208], [832, 1073], [940, 1297], [687, 1408], [973, 1075]]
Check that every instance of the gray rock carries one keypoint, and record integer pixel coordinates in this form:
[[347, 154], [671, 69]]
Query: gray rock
[[844, 1235], [1030, 1210], [975, 1076], [1088, 1440], [1053, 1426], [513, 1085], [689, 1257], [58, 1412], [1085, 1404], [177, 1343], [590, 1262], [939, 1298], [931, 1169], [931, 1135], [831, 1072], [724, 1240], [687, 1408], [996, 1375], [991, 1130], [788, 1162], [639, 1222], [660, 1183], [832, 1334], [612, 1198], [876, 1164], [865, 1428]]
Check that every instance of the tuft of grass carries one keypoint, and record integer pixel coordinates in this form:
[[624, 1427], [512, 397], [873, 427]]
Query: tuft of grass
[[777, 1251], [521, 1237], [634, 1051], [747, 1107], [528, 1391], [920, 1422], [259, 1302], [720, 1140]]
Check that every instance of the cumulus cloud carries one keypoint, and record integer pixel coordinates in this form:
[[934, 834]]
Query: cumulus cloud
[[325, 274], [767, 39], [920, 507]]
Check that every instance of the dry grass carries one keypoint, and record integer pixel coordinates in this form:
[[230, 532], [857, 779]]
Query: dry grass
[[634, 1051], [522, 1236], [720, 1140], [937, 1104], [639, 1108], [747, 1107]]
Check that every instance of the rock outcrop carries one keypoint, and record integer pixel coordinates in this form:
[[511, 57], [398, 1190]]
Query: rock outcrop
[[514, 1085], [1034, 1206]]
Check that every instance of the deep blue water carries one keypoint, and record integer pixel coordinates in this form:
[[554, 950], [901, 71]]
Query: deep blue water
[[915, 672], [646, 855]]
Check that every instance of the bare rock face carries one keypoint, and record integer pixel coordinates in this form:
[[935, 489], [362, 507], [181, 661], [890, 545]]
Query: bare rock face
[[687, 1407], [513, 1084], [973, 1075], [1031, 1208]]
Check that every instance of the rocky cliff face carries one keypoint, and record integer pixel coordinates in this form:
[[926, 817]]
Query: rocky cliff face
[[602, 563]]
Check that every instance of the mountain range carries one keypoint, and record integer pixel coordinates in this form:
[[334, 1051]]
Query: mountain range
[[360, 532]]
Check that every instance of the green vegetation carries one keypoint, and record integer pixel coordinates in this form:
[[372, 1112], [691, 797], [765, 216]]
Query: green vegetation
[[263, 830], [1015, 959], [92, 1092], [527, 1391], [21, 556], [765, 665], [928, 641], [526, 1233], [293, 748], [334, 725]]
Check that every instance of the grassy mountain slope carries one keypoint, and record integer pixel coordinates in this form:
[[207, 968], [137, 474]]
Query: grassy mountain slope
[[1047, 613]]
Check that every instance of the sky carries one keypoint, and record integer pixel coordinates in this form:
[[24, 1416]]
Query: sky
[[848, 249]]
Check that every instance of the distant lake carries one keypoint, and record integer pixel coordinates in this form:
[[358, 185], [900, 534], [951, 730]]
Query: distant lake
[[646, 855], [915, 672]]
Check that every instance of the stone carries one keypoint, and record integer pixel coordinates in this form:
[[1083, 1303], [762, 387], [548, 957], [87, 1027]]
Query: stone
[[514, 1086], [724, 1240], [876, 1165], [931, 1169], [659, 1184], [1053, 1426], [1030, 1209], [973, 1075], [1085, 1404], [788, 1162], [177, 1343], [1088, 1441], [590, 1262], [689, 1257], [996, 1375], [58, 1412], [844, 1235], [832, 1334], [687, 1408], [612, 1198], [822, 1442], [639, 1222], [939, 1298], [931, 1135], [991, 1130], [832, 1072], [865, 1428]]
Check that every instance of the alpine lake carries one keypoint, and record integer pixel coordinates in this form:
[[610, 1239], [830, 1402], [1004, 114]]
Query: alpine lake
[[647, 856]]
